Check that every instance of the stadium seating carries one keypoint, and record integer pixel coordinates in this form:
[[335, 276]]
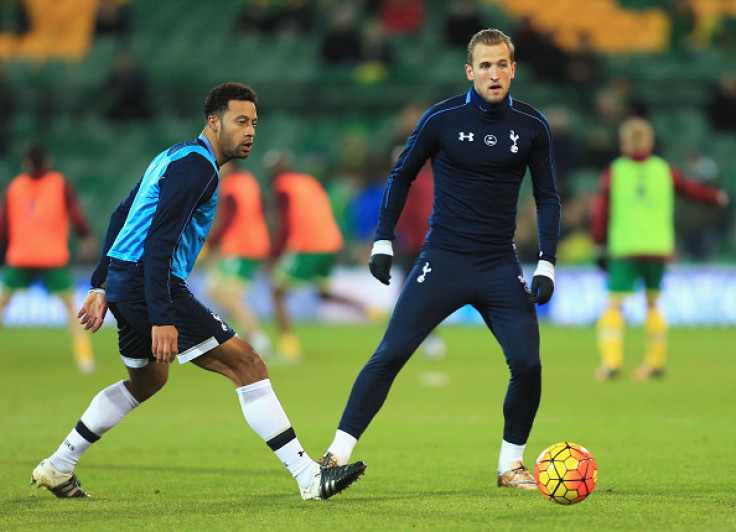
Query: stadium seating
[[304, 106], [57, 29]]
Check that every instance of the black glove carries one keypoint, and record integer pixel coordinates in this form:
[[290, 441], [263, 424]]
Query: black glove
[[379, 264], [542, 288], [543, 283]]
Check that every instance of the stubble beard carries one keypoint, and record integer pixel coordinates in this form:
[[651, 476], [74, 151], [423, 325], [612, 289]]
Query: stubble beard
[[233, 149]]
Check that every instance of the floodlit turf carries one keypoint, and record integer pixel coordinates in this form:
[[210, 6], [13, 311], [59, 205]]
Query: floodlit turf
[[188, 461]]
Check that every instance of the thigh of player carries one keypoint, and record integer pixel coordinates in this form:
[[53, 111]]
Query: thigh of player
[[200, 330], [440, 283], [505, 307]]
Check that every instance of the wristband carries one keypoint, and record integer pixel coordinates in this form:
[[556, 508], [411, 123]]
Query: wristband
[[97, 290], [546, 269], [382, 247]]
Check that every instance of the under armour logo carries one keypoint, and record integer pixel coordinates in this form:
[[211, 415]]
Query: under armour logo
[[465, 136], [301, 453], [514, 138], [425, 270]]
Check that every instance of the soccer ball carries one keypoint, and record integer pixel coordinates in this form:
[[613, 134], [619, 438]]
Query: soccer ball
[[565, 473]]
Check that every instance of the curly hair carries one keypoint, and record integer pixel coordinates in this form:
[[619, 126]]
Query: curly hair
[[220, 96]]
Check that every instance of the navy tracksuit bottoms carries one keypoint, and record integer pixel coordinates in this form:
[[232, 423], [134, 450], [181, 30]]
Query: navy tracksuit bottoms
[[440, 283]]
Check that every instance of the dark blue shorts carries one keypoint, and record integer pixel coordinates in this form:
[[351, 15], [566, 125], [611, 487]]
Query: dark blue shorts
[[200, 330]]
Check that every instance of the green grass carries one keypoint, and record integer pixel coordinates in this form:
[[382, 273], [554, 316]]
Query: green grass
[[187, 460]]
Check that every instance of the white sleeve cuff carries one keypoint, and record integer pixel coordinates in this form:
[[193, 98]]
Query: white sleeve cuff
[[545, 268], [382, 247]]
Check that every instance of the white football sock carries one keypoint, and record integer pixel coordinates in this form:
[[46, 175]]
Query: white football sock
[[107, 409], [342, 446], [510, 453], [296, 460], [266, 416], [69, 452]]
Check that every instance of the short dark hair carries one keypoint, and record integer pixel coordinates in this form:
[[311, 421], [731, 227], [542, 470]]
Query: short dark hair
[[491, 37], [220, 96], [37, 157]]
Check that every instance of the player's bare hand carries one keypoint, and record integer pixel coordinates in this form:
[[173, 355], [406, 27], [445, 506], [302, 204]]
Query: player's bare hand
[[165, 343], [92, 313]]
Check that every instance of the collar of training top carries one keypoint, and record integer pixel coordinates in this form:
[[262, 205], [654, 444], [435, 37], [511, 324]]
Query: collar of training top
[[207, 145], [493, 109]]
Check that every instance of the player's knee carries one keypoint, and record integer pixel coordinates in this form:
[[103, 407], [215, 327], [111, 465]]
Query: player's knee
[[392, 354], [246, 365], [145, 388], [526, 369], [250, 359]]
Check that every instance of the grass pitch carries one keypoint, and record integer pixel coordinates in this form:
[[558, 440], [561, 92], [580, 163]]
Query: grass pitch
[[186, 460]]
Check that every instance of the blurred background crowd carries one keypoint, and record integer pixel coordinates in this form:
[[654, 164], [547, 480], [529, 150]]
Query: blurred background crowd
[[104, 85]]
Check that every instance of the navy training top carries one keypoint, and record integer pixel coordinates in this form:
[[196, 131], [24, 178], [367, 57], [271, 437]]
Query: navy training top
[[479, 153], [156, 233]]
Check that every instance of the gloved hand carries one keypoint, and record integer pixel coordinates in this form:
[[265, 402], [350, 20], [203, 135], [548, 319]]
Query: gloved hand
[[543, 283], [382, 255]]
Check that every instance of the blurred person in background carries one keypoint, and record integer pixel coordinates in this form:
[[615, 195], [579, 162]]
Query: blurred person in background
[[583, 69], [114, 17], [600, 138], [683, 23], [152, 242], [722, 106], [305, 247], [35, 217], [701, 229], [632, 220], [540, 51], [480, 144], [366, 201], [276, 17], [402, 17], [242, 240], [463, 20], [7, 112], [341, 43], [126, 91], [376, 58], [14, 17], [575, 245], [567, 147]]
